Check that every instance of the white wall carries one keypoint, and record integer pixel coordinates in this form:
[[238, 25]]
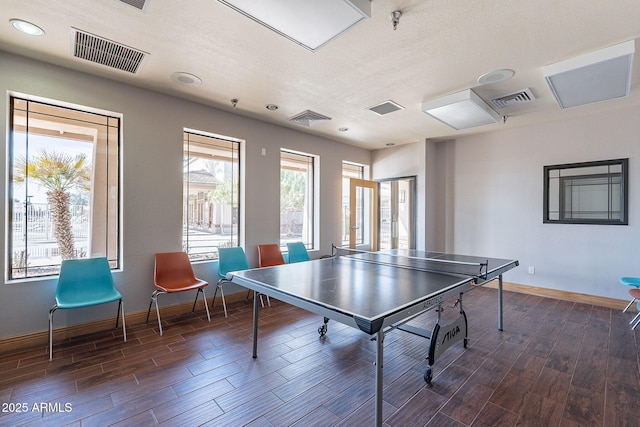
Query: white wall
[[152, 184], [498, 184], [484, 197]]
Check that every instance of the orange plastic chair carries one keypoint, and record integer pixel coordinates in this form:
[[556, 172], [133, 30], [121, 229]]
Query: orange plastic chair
[[173, 273], [269, 255]]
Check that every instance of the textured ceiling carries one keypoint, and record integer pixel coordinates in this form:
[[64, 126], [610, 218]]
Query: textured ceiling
[[440, 47]]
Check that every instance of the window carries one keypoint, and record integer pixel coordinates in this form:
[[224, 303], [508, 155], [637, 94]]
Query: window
[[211, 194], [297, 198], [586, 193], [350, 170], [64, 187]]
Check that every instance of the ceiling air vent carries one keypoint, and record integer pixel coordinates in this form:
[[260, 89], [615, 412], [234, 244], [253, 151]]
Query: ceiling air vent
[[386, 108], [138, 4], [519, 97], [309, 118], [106, 52]]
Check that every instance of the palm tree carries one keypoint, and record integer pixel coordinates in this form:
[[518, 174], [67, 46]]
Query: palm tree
[[57, 173]]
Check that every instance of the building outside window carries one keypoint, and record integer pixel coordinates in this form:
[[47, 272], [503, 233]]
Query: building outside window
[[297, 183], [211, 194], [64, 186]]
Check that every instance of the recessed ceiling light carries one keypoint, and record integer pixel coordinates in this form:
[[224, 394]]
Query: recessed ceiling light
[[186, 79], [26, 27], [343, 129], [496, 76], [271, 107]]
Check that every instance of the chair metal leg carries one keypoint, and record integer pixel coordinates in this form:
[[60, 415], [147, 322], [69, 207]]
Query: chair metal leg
[[261, 300], [154, 298], [206, 306], [224, 304], [193, 309], [124, 329], [628, 305], [636, 324], [215, 292], [54, 308]]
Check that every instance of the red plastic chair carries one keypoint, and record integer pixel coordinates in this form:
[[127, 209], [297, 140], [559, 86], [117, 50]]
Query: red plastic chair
[[173, 273], [269, 255]]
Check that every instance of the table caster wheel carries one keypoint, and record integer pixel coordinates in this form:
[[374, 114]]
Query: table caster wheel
[[322, 330], [427, 375]]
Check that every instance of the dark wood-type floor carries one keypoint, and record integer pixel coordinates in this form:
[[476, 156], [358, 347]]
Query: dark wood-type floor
[[557, 363]]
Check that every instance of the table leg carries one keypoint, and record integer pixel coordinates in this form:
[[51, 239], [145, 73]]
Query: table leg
[[379, 366], [500, 302], [255, 324]]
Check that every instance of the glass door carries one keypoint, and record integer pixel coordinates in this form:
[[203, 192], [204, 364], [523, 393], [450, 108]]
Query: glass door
[[397, 217], [363, 214]]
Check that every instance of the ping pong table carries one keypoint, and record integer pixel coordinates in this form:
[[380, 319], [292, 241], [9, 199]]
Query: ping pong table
[[378, 292]]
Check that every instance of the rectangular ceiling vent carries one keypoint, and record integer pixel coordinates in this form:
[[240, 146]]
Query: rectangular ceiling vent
[[386, 107], [309, 118], [138, 4], [515, 98], [106, 52]]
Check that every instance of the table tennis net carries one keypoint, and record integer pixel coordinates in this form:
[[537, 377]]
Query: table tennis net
[[435, 262]]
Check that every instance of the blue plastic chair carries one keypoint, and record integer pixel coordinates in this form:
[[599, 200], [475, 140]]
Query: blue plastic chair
[[297, 252], [229, 259], [635, 294], [632, 282], [84, 283]]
